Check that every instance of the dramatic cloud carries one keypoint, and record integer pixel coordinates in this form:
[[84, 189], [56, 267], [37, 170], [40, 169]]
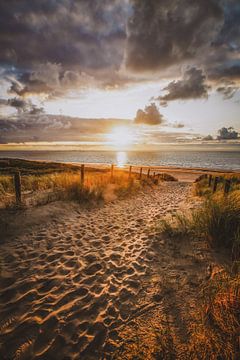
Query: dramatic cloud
[[42, 127], [228, 90], [50, 47], [224, 72], [50, 80], [192, 86], [19, 104], [229, 34], [227, 134], [53, 46], [149, 116], [85, 33], [22, 106], [224, 134], [55, 50], [165, 35], [162, 33]]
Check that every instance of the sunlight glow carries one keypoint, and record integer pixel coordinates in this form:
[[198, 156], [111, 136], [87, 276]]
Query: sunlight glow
[[121, 136], [121, 158]]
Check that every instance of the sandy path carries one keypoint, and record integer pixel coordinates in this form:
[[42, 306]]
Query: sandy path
[[80, 287]]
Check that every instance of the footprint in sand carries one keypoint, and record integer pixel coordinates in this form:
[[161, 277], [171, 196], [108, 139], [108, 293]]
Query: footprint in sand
[[71, 294]]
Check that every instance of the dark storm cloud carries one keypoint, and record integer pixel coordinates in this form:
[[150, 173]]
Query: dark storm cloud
[[73, 33], [162, 33], [223, 134], [42, 127], [226, 79], [231, 72], [192, 86], [16, 87], [65, 39], [52, 46], [168, 34], [149, 116], [227, 134], [229, 34], [19, 104], [22, 106], [228, 91]]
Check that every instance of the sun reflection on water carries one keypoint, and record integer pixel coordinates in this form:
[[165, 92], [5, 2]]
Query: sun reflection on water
[[121, 158]]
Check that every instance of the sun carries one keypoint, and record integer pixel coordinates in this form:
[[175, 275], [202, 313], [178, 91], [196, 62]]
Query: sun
[[121, 136]]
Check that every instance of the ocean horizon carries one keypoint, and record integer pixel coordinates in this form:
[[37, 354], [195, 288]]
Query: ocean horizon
[[222, 160]]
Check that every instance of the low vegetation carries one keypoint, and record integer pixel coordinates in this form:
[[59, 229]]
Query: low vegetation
[[68, 185], [28, 167], [203, 188], [217, 221], [216, 332], [42, 182]]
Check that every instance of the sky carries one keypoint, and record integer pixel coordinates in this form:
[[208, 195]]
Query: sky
[[119, 72]]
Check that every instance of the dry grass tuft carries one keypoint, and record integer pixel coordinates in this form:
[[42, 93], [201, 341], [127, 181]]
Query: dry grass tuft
[[216, 330], [217, 221], [98, 185], [216, 336], [202, 188]]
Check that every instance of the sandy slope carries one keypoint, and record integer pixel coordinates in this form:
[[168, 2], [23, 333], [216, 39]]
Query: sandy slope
[[100, 283]]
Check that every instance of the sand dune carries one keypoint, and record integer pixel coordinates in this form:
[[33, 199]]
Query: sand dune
[[75, 289]]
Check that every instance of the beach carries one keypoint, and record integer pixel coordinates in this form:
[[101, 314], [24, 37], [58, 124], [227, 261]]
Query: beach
[[89, 283], [119, 180]]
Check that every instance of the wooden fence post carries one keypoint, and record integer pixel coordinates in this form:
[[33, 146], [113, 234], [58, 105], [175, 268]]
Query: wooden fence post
[[148, 173], [210, 180], [17, 185], [140, 174], [130, 171], [82, 174], [112, 167], [215, 183], [227, 186]]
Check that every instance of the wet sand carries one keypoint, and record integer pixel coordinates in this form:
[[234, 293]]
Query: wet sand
[[84, 285]]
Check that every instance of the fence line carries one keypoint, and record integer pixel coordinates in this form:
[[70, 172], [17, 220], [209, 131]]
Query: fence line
[[17, 186], [155, 177], [82, 174], [213, 181]]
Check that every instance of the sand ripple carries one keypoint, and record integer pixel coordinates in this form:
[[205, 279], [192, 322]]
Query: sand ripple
[[67, 289]]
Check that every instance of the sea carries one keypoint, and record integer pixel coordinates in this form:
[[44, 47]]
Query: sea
[[222, 160]]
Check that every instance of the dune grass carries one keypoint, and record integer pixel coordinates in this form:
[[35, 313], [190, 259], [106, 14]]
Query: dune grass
[[218, 218], [217, 221], [202, 188], [98, 185], [64, 180], [30, 167], [215, 333]]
